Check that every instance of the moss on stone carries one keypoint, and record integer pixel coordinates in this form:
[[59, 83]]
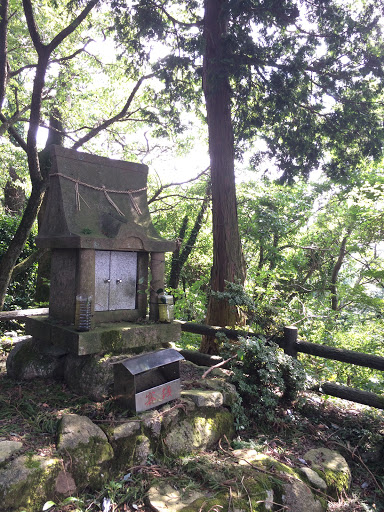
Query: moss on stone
[[337, 481], [89, 463], [251, 494], [112, 341], [28, 482], [332, 468], [199, 430]]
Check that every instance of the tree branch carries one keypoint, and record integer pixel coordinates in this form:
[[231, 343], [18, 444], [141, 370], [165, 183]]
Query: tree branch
[[184, 24], [115, 118], [21, 142], [27, 262], [163, 187]]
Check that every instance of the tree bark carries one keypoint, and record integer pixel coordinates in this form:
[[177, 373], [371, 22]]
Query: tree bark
[[55, 136], [3, 49], [16, 245], [228, 260]]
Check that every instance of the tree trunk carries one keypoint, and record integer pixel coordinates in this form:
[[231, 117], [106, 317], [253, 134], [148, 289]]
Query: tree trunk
[[180, 257], [14, 195], [228, 261], [55, 136], [335, 272]]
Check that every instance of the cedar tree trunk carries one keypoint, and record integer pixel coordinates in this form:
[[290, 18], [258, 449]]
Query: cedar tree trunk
[[228, 261]]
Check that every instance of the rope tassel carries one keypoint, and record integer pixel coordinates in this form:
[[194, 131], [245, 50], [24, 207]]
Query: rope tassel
[[112, 203]]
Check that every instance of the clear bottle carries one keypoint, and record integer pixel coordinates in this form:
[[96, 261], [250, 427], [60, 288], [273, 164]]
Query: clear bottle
[[83, 313]]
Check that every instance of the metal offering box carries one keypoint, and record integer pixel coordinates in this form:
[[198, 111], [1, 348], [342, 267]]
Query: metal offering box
[[147, 381]]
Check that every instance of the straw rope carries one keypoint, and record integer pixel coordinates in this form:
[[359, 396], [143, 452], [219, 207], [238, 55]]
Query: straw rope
[[106, 192]]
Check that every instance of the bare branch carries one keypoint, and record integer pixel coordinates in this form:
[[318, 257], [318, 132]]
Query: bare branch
[[115, 118], [8, 123], [163, 187], [27, 262], [32, 27], [72, 26]]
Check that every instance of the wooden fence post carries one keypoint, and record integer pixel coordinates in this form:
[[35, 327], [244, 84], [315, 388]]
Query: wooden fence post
[[290, 338]]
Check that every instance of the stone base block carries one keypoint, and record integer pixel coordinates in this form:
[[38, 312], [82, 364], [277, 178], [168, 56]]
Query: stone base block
[[111, 338]]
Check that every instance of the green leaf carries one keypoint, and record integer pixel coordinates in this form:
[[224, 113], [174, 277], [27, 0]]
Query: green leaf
[[48, 505]]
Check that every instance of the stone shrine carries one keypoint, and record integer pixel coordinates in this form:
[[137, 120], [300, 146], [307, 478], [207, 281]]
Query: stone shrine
[[104, 246]]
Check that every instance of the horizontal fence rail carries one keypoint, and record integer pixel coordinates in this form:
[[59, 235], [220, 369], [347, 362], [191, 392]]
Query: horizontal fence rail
[[19, 314], [292, 346]]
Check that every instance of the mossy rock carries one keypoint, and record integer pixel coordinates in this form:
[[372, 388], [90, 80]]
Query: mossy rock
[[332, 468], [199, 430], [27, 482], [86, 451], [32, 358]]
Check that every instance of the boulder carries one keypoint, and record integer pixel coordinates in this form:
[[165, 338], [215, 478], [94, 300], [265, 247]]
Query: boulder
[[85, 450], [33, 358], [297, 497], [166, 498], [27, 482], [199, 430], [332, 468], [8, 448], [204, 397]]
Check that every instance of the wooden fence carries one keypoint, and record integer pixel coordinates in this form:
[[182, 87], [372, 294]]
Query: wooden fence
[[289, 343], [292, 346]]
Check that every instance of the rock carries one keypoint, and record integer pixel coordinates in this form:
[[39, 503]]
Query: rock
[[142, 451], [165, 498], [152, 421], [332, 468], [128, 444], [126, 430], [27, 482], [90, 375], [9, 448], [85, 449], [228, 390], [198, 431], [77, 430], [30, 359], [65, 484], [297, 497], [313, 478], [204, 397]]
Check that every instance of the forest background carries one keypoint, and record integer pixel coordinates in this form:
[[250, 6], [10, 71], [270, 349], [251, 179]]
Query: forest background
[[262, 125]]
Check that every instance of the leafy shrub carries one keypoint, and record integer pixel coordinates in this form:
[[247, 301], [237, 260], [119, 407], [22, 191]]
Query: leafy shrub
[[21, 290], [265, 377]]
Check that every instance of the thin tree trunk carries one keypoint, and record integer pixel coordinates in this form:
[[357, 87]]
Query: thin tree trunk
[[38, 174], [228, 261], [179, 258], [335, 273]]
